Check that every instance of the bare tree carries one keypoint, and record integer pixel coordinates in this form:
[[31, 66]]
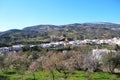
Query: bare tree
[[49, 64], [2, 64], [34, 67], [65, 67], [90, 63], [78, 60]]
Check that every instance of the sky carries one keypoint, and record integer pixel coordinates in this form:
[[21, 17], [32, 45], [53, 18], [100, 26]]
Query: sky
[[17, 14]]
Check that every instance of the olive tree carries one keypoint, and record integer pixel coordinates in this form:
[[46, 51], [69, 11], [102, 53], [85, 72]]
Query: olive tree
[[111, 61]]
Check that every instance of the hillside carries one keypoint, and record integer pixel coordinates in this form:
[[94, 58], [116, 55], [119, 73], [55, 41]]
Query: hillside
[[46, 33]]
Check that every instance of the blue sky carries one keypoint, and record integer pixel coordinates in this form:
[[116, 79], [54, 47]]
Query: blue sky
[[17, 14]]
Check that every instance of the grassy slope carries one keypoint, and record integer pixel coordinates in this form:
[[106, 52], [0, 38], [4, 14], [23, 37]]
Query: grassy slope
[[78, 75]]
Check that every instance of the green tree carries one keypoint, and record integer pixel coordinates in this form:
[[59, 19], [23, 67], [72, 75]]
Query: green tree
[[111, 61]]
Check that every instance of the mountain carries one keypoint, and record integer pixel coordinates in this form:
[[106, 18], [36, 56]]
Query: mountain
[[103, 25], [41, 28], [46, 33], [12, 31]]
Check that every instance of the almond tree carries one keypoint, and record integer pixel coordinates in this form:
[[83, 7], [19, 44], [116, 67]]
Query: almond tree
[[2, 64], [90, 64], [65, 64], [65, 67], [50, 63]]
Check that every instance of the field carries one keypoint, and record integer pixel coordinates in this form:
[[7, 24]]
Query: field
[[46, 75]]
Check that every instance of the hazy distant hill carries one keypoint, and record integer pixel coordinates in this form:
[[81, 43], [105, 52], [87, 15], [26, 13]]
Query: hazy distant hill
[[74, 31]]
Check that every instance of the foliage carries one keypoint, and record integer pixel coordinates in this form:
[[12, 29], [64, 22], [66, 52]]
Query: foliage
[[111, 61]]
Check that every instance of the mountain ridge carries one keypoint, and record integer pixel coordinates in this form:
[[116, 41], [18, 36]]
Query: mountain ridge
[[73, 31], [97, 23]]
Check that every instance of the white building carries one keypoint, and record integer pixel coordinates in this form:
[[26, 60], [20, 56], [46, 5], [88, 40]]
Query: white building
[[99, 53]]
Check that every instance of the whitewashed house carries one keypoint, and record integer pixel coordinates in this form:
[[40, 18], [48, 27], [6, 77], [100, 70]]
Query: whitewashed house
[[4, 50], [97, 54], [17, 47]]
